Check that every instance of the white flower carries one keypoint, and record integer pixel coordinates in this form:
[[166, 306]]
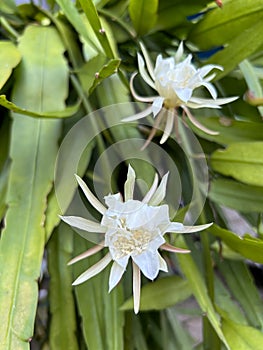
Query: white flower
[[175, 80], [133, 229]]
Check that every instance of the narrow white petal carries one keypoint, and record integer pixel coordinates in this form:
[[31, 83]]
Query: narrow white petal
[[175, 228], [195, 105], [90, 196], [157, 105], [139, 115], [151, 191], [136, 287], [93, 270], [129, 184], [148, 61], [210, 77], [169, 248], [116, 273], [211, 89], [197, 228], [83, 224], [135, 95], [162, 264], [207, 69], [168, 127], [144, 73], [179, 52], [213, 103], [87, 253], [160, 193], [198, 124]]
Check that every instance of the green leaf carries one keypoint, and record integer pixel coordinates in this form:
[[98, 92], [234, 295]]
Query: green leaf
[[236, 195], [243, 161], [224, 301], [62, 330], [66, 112], [219, 26], [161, 294], [230, 130], [198, 287], [241, 285], [242, 337], [8, 6], [238, 49], [174, 13], [9, 59], [73, 16], [107, 70], [88, 297], [248, 246], [143, 15], [92, 15], [41, 85]]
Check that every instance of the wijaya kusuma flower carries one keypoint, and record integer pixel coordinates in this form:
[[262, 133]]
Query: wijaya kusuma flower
[[175, 79], [133, 230]]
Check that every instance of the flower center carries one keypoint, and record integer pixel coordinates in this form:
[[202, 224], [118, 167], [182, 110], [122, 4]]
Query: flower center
[[131, 242]]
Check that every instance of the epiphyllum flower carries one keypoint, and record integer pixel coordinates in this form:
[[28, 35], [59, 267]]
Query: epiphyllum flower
[[133, 229], [175, 80]]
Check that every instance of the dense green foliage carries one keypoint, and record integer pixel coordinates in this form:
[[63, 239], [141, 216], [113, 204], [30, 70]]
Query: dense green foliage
[[58, 63]]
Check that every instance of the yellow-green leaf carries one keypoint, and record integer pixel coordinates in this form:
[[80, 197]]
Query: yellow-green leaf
[[40, 85], [9, 59], [248, 246], [143, 15], [161, 294], [242, 337], [243, 161]]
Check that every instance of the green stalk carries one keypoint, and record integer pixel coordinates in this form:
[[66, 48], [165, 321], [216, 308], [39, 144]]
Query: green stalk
[[210, 337], [8, 28]]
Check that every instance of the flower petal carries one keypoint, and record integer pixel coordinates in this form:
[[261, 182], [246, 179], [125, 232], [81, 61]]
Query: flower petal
[[197, 124], [90, 196], [151, 191], [170, 248], [136, 277], [134, 93], [116, 273], [148, 263], [162, 264], [197, 102], [93, 270], [129, 184], [144, 73], [211, 89], [87, 253], [203, 71], [148, 61], [83, 224], [160, 193], [184, 93], [139, 115], [168, 127], [157, 105], [179, 53], [174, 228]]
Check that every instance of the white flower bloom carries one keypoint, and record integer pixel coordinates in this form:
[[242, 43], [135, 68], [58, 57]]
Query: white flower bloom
[[175, 80], [133, 230]]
